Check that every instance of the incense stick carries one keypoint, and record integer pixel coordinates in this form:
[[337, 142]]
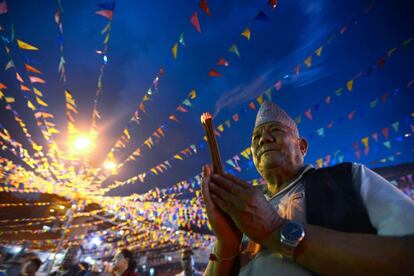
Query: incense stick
[[207, 122]]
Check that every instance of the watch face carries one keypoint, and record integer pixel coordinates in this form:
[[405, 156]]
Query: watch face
[[292, 232]]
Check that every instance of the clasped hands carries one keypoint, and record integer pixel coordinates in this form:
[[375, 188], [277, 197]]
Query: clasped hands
[[235, 207]]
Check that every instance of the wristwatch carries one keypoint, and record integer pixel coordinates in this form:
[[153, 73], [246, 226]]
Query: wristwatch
[[291, 234]]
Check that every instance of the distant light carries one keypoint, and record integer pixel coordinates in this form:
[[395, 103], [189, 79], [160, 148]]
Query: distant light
[[169, 258], [110, 166], [46, 228], [82, 143], [151, 271], [61, 207], [105, 58], [88, 259], [407, 135], [144, 267], [52, 210], [96, 241], [121, 232]]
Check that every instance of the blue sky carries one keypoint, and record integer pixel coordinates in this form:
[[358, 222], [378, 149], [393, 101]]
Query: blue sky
[[142, 35]]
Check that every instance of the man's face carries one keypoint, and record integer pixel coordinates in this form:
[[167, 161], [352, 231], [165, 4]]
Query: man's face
[[275, 146], [187, 261]]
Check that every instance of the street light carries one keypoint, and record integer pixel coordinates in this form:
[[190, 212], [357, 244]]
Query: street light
[[82, 143]]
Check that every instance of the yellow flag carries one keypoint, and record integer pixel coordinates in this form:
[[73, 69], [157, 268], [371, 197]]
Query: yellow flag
[[177, 156], [350, 85], [246, 33], [41, 102], [174, 50], [260, 99], [192, 94], [25, 46], [31, 106], [9, 99], [319, 51], [308, 61], [37, 92]]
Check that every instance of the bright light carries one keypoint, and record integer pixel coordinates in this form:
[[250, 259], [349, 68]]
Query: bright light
[[82, 143], [96, 241], [61, 207], [110, 166], [52, 210]]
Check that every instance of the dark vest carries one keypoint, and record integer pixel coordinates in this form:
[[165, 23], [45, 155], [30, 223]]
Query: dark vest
[[333, 202]]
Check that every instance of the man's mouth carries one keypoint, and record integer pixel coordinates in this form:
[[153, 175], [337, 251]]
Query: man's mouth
[[265, 151]]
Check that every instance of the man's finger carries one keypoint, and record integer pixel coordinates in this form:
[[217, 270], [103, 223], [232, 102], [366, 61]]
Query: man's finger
[[236, 180], [223, 194], [221, 204], [227, 185]]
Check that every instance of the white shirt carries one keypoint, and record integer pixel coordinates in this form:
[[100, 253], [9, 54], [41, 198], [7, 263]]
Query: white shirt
[[390, 211]]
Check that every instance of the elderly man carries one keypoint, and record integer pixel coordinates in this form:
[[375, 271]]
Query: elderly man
[[344, 219]]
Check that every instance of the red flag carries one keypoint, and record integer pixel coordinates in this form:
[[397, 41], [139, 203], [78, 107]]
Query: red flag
[[308, 114], [213, 73], [385, 132], [203, 5], [272, 3], [222, 62], [252, 105], [195, 22], [235, 117], [351, 115], [3, 7], [105, 13]]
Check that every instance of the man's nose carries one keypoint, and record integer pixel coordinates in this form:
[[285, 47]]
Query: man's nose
[[266, 138]]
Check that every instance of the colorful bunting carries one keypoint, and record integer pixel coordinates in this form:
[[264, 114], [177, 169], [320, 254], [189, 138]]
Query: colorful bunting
[[195, 22]]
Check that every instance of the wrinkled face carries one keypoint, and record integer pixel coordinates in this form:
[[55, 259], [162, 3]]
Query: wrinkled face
[[275, 146], [120, 263], [187, 261]]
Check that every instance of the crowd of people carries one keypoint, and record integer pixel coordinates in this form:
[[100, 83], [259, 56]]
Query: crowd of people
[[343, 219]]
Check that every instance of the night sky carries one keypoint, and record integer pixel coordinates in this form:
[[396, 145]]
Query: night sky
[[142, 36]]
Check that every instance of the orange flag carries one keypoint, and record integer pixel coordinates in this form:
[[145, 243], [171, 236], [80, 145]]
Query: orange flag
[[105, 13], [213, 73]]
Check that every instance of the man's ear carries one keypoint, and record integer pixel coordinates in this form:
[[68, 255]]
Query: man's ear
[[303, 146]]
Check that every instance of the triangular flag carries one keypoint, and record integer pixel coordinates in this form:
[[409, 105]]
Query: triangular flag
[[385, 132], [177, 156], [298, 119], [395, 126], [222, 62], [181, 39], [192, 94], [174, 50], [328, 100], [391, 51], [2, 86], [38, 92], [19, 78], [259, 99], [213, 73], [252, 105], [261, 16], [105, 13], [30, 105], [32, 69], [350, 85], [278, 85], [268, 94], [375, 136], [187, 103], [227, 123], [203, 5], [365, 141], [308, 114], [373, 104], [39, 101], [338, 91], [220, 128], [181, 109], [387, 144], [246, 33], [308, 61], [195, 22], [26, 46], [318, 51], [9, 65], [24, 88], [172, 117], [235, 117], [233, 49], [3, 7], [142, 107], [351, 115], [36, 80], [321, 132]]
